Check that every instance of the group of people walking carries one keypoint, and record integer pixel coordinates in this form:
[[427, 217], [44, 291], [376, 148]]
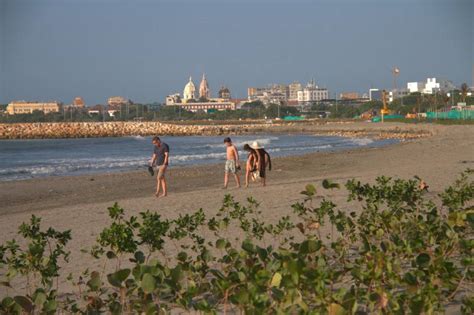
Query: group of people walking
[[257, 162]]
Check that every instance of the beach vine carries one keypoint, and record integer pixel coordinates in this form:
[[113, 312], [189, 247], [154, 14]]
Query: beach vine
[[391, 249]]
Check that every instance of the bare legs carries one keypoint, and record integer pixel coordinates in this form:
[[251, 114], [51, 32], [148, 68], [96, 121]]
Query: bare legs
[[226, 179], [161, 182]]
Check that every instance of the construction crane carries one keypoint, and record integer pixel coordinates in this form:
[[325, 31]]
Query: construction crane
[[384, 111]]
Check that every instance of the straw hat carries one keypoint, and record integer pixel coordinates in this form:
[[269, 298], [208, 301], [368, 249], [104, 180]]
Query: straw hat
[[255, 145]]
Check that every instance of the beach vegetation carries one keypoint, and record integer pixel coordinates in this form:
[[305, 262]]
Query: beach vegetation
[[392, 248]]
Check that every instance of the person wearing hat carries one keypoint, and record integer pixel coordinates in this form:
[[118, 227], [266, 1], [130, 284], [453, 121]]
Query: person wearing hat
[[263, 161], [251, 165]]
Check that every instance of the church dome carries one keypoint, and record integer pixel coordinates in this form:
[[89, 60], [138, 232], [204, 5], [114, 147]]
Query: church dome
[[189, 90], [224, 92]]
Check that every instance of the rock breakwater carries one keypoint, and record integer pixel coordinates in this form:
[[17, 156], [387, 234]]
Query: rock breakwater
[[115, 129], [119, 129]]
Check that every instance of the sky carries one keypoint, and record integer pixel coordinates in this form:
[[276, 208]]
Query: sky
[[144, 50]]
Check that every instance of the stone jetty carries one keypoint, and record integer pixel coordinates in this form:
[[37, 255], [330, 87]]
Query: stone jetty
[[120, 129], [116, 129]]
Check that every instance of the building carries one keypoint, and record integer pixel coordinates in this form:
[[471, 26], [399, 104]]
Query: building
[[204, 91], [312, 93], [375, 95], [224, 93], [78, 102], [173, 99], [23, 107], [272, 94], [189, 92], [205, 102], [238, 102], [115, 101], [415, 87], [349, 96], [293, 89], [394, 94], [207, 106], [431, 86]]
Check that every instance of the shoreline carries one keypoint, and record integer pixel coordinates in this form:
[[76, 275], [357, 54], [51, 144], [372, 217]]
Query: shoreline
[[325, 146], [57, 191]]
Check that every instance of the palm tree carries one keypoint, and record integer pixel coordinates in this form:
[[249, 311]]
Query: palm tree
[[464, 90]]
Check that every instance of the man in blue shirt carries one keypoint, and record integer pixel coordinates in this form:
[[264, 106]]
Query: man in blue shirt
[[159, 160]]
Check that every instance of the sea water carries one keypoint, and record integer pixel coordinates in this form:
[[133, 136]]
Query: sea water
[[24, 159]]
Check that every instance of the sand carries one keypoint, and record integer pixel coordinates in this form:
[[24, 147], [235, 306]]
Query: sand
[[80, 203]]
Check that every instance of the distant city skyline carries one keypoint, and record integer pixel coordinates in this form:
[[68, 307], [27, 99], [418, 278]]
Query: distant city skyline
[[145, 50]]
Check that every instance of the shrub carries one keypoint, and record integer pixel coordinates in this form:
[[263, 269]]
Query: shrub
[[394, 252]]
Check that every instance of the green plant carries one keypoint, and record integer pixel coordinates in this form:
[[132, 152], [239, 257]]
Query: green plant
[[390, 250]]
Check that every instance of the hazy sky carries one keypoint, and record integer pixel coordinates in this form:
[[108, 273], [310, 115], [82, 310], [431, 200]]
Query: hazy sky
[[144, 50]]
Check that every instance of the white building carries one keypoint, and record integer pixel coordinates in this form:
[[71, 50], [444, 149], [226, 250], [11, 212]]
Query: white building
[[312, 93], [414, 87], [189, 92], [293, 89], [173, 99]]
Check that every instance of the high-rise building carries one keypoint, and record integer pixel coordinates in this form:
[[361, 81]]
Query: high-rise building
[[312, 93], [293, 89]]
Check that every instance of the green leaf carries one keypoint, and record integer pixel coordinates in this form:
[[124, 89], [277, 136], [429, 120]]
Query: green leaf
[[51, 306], [117, 278], [248, 246], [40, 298], [139, 257], [111, 255], [8, 302], [94, 283], [423, 260], [148, 283], [336, 309], [330, 185], [310, 246], [221, 243], [276, 280], [310, 190], [24, 302]]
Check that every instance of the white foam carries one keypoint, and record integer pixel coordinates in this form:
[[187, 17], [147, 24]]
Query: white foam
[[361, 141]]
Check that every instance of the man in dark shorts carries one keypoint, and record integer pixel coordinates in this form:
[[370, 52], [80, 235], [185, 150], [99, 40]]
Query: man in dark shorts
[[159, 160]]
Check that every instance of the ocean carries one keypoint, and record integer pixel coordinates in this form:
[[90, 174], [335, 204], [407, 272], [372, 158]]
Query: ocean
[[25, 159]]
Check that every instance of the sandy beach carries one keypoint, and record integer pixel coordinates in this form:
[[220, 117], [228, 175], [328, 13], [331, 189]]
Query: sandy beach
[[80, 203]]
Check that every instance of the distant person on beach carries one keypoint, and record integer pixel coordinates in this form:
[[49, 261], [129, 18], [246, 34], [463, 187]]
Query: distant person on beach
[[160, 160], [263, 161], [252, 162], [232, 164]]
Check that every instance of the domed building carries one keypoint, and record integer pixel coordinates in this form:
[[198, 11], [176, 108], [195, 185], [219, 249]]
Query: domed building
[[204, 91], [224, 93], [189, 91]]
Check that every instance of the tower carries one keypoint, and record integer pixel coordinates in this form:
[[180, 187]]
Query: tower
[[204, 91]]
